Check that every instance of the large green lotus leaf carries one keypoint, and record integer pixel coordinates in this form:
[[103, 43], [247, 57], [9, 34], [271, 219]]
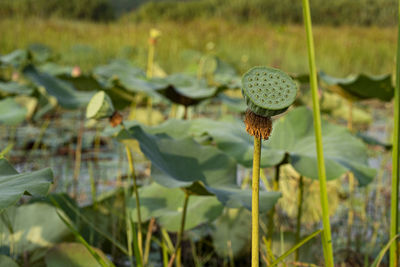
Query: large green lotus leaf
[[185, 89], [226, 75], [6, 261], [122, 73], [232, 233], [292, 134], [13, 184], [73, 255], [40, 53], [16, 58], [13, 88], [55, 69], [361, 86], [230, 137], [166, 204], [201, 169], [34, 226], [11, 113], [84, 82], [234, 104], [67, 96]]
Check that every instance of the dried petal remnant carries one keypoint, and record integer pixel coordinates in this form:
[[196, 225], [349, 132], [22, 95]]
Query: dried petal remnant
[[116, 119], [258, 126]]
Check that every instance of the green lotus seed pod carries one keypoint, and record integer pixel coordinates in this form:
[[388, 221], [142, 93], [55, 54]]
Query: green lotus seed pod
[[100, 107], [267, 91]]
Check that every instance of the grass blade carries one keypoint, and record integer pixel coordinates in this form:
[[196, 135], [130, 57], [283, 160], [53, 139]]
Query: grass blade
[[394, 208], [295, 247], [327, 240], [378, 259], [79, 237]]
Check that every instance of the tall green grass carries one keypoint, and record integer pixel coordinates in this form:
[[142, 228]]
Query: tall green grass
[[243, 45], [394, 253], [326, 234]]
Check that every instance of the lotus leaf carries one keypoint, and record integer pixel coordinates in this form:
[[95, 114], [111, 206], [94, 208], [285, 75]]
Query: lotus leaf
[[200, 169], [166, 205], [13, 184], [67, 96]]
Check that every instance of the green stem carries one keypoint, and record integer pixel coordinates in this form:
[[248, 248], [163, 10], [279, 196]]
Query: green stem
[[395, 158], [299, 215], [150, 61], [148, 239], [78, 155], [129, 230], [327, 238], [270, 227], [350, 216], [177, 253], [164, 251], [255, 205], [132, 171]]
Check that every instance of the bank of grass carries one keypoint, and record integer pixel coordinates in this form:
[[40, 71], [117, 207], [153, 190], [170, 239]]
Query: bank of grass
[[339, 51]]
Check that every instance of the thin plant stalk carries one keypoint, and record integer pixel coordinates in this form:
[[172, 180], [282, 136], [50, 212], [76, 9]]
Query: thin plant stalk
[[149, 75], [299, 215], [350, 217], [176, 256], [135, 190], [129, 230], [255, 204], [394, 209], [270, 227], [327, 237], [148, 239], [164, 251], [78, 155]]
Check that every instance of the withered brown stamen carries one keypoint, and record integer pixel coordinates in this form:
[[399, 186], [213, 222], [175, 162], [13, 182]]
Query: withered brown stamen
[[258, 126]]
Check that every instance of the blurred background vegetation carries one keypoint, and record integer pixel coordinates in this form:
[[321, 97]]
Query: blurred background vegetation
[[243, 33], [326, 12]]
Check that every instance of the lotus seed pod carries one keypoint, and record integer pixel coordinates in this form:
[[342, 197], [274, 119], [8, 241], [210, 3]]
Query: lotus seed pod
[[100, 107], [267, 91]]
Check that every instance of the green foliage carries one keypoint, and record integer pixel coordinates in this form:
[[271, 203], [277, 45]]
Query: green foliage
[[43, 229], [332, 12], [72, 254], [97, 10], [292, 135], [202, 170], [165, 204], [13, 184]]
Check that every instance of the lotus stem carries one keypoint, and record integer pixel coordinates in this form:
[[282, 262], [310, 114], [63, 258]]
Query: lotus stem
[[326, 236], [299, 215], [78, 155], [255, 203], [177, 253], [270, 227], [395, 159], [135, 190], [350, 216], [148, 239]]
